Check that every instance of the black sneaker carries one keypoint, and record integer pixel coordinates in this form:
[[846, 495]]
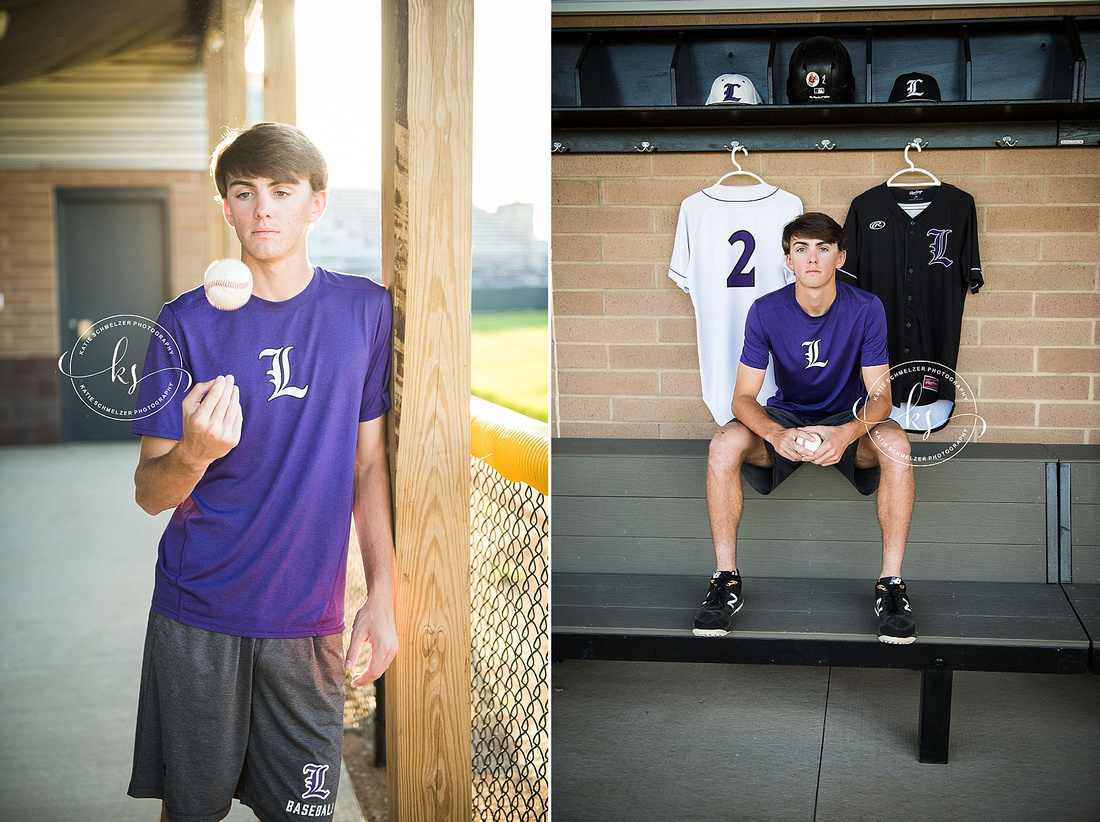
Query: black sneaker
[[896, 624], [723, 601]]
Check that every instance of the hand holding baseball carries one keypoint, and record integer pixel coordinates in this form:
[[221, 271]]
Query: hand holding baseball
[[813, 446], [826, 446], [810, 441], [212, 419]]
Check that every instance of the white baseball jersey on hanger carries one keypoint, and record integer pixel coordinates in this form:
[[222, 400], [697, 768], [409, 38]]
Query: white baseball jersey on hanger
[[729, 251]]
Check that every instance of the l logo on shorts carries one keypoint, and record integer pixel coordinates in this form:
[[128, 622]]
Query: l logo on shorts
[[315, 782]]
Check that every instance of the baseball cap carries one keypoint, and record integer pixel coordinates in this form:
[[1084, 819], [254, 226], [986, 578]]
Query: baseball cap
[[733, 89], [915, 87]]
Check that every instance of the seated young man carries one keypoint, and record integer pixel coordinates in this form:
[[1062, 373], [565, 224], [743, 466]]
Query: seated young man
[[827, 344]]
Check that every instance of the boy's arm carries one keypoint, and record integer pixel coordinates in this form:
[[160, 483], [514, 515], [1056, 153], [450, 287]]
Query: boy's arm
[[745, 407], [375, 623], [168, 470], [751, 413], [879, 406]]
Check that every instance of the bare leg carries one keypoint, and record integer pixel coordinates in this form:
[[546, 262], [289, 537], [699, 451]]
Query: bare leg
[[729, 448], [163, 814], [896, 491]]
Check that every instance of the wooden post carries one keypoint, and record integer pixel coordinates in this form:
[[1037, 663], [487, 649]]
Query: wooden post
[[280, 68], [227, 102], [426, 229]]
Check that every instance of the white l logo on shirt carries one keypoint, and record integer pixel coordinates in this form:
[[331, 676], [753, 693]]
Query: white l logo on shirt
[[280, 373], [811, 347]]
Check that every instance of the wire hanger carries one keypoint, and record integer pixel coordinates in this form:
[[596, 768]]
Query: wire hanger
[[913, 169], [733, 156]]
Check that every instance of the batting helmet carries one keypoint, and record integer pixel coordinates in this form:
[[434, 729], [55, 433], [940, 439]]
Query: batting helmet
[[820, 72]]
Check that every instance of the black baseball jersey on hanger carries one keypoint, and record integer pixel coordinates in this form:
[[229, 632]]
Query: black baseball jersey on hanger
[[917, 250]]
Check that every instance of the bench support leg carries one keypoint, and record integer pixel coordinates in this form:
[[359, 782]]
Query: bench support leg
[[935, 714]]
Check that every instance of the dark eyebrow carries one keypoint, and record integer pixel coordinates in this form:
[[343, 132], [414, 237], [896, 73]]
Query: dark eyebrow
[[250, 184]]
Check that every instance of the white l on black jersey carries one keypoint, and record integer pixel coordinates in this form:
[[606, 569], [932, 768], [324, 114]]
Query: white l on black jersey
[[728, 252], [917, 250]]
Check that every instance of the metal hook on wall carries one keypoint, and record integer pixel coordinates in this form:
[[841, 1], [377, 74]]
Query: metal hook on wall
[[645, 147], [825, 145], [734, 147], [916, 143], [558, 148], [1008, 142]]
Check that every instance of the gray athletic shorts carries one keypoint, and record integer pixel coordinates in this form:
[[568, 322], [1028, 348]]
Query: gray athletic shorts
[[766, 480], [223, 716]]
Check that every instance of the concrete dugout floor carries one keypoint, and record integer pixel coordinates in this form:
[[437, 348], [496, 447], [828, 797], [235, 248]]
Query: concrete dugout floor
[[78, 557], [670, 742]]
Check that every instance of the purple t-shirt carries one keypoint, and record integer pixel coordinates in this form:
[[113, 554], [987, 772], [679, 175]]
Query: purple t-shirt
[[259, 548], [817, 360]]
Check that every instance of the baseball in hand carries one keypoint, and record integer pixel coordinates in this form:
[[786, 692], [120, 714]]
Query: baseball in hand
[[228, 284], [810, 443]]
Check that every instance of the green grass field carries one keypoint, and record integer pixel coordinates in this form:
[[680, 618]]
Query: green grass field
[[510, 360]]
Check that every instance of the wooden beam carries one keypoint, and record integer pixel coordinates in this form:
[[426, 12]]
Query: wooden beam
[[280, 68], [226, 100], [427, 185]]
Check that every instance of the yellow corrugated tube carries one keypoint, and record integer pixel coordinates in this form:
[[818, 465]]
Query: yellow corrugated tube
[[517, 447]]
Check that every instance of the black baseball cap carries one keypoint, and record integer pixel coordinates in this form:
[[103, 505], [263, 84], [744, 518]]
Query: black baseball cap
[[915, 88]]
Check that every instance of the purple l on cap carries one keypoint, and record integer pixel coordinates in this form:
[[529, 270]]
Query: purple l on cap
[[733, 89]]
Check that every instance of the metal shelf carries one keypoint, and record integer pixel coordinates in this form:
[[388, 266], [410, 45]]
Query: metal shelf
[[617, 89]]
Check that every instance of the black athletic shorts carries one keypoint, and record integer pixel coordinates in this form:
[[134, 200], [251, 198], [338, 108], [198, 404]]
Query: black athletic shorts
[[766, 480], [223, 716]]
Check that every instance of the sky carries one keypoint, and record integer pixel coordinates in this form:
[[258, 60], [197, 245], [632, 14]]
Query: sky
[[339, 100]]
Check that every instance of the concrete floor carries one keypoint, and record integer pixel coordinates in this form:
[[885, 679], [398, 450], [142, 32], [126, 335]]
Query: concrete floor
[[654, 741], [631, 741], [78, 557]]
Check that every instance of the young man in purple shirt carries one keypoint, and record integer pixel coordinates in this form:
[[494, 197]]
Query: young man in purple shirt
[[827, 343], [268, 459]]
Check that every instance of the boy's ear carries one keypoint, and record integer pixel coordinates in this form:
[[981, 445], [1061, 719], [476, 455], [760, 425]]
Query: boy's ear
[[226, 213], [320, 203]]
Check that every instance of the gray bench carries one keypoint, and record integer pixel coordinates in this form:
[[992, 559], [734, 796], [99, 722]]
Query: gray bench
[[632, 552], [1079, 528]]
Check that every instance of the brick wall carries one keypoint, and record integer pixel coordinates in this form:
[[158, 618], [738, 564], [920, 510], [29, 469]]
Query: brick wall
[[625, 359], [28, 244], [29, 334]]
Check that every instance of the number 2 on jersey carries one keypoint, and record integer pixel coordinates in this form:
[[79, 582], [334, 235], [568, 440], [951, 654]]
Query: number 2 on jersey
[[739, 278]]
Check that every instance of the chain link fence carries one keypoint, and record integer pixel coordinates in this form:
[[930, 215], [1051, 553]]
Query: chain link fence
[[509, 654], [509, 598]]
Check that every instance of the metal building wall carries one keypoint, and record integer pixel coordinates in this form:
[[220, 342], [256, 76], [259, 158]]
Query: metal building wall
[[141, 110]]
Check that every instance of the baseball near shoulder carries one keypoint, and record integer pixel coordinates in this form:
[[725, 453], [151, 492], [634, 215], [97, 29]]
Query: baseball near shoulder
[[228, 284]]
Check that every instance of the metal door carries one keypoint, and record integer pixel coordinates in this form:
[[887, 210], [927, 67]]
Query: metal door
[[112, 260]]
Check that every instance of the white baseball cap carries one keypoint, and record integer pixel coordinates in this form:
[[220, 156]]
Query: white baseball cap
[[733, 89]]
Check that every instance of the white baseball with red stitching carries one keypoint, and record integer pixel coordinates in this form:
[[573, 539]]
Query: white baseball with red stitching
[[228, 284]]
